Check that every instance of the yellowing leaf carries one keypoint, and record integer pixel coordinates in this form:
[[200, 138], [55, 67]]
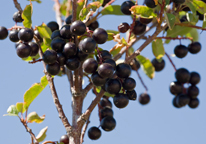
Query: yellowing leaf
[[158, 48], [42, 134], [19, 106], [26, 15], [34, 117]]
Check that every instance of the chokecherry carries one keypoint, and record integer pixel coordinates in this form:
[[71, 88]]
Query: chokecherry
[[78, 28], [100, 35], [108, 123], [120, 100], [94, 133], [90, 65], [49, 56], [26, 34]]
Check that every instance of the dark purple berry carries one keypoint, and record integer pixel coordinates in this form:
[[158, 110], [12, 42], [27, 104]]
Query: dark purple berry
[[129, 84], [182, 75], [108, 123], [57, 44], [126, 6], [61, 59], [3, 33], [13, 35], [132, 95], [94, 25], [17, 17], [100, 35], [53, 69], [104, 55], [64, 139], [55, 34], [23, 50], [105, 103], [36, 33], [192, 91], [194, 103], [194, 78], [113, 86], [65, 32], [123, 70], [106, 112], [120, 100], [34, 48], [72, 63], [174, 102], [81, 55], [145, 20], [144, 98], [112, 62], [158, 65], [150, 3], [139, 28], [105, 2], [182, 100], [26, 34], [123, 27], [97, 80], [90, 65], [78, 28], [53, 26], [135, 65], [181, 51], [176, 88], [105, 70], [87, 45], [183, 19], [69, 19], [94, 133], [49, 56], [70, 50], [194, 47]]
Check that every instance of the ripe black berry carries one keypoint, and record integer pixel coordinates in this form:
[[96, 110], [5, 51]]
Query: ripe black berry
[[108, 123], [105, 103], [123, 27], [87, 45], [81, 55], [176, 88], [145, 20], [126, 6], [113, 86], [90, 65], [78, 28], [53, 69], [106, 112], [181, 51], [194, 103], [53, 26], [104, 55], [64, 139], [135, 65], [193, 91], [3, 32], [57, 44], [61, 59], [129, 84], [158, 65], [174, 102], [120, 100], [100, 35], [94, 25], [144, 98], [105, 70], [139, 28], [123, 70], [97, 80], [182, 100], [23, 50], [34, 48], [68, 20], [49, 56], [194, 47], [65, 32], [36, 33], [150, 3], [184, 19], [182, 75], [111, 62], [94, 133], [178, 1], [105, 2], [70, 50], [26, 34], [73, 63], [55, 34], [13, 36], [194, 78], [132, 95], [17, 17]]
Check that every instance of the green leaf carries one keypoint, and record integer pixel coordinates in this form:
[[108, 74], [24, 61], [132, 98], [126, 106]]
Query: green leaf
[[42, 135], [110, 36], [26, 15], [204, 21], [178, 30], [193, 19], [44, 31], [147, 66], [116, 51], [194, 34], [19, 106], [112, 10], [38, 1], [143, 11], [33, 92], [124, 41], [200, 6], [112, 31], [12, 111], [170, 19], [80, 5], [158, 48], [30, 58], [98, 89], [34, 117]]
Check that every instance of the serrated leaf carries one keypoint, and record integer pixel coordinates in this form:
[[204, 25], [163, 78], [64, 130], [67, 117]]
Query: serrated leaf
[[34, 117], [170, 19], [194, 34], [143, 11], [12, 111], [158, 48], [19, 106], [147, 66], [44, 31], [42, 134], [112, 10], [33, 92], [38, 1], [26, 15]]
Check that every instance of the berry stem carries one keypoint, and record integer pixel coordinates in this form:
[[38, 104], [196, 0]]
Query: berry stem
[[171, 61], [87, 76], [100, 56], [35, 61], [15, 27], [140, 78]]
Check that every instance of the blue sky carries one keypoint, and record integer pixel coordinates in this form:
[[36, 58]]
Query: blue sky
[[156, 123]]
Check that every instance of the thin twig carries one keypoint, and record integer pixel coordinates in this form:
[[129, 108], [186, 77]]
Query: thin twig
[[88, 88], [175, 38], [146, 89], [85, 74], [171, 61], [84, 130], [57, 7], [17, 5], [189, 25]]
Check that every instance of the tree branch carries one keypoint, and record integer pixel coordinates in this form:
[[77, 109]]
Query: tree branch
[[69, 76], [84, 130], [17, 5], [57, 7]]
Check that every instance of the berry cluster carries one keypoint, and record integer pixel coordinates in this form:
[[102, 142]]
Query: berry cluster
[[184, 96]]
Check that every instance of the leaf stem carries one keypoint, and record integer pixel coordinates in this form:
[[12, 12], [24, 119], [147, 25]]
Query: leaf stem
[[171, 61]]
